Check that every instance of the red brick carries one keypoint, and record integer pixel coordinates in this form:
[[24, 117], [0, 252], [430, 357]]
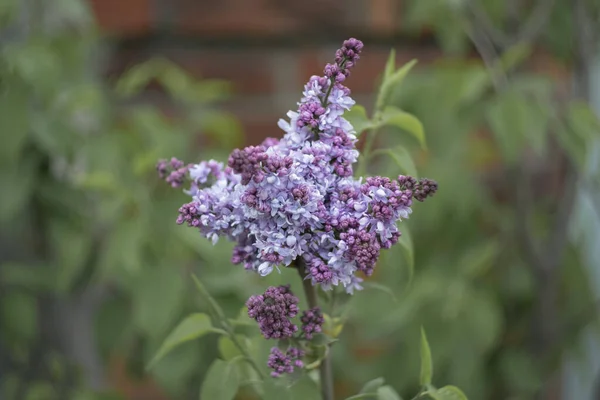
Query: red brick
[[249, 71], [383, 17], [261, 126], [262, 17], [125, 18]]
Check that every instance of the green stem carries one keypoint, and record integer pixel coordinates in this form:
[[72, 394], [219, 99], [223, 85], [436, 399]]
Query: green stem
[[226, 325], [325, 369]]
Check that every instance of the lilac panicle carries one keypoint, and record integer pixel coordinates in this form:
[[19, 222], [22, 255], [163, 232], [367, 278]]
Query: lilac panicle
[[273, 310], [312, 321], [296, 198], [285, 363]]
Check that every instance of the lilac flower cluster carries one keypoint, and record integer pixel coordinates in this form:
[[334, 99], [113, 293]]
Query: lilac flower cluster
[[295, 199], [312, 321], [284, 363]]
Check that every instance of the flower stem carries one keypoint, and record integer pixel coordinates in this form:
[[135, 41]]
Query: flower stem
[[325, 370]]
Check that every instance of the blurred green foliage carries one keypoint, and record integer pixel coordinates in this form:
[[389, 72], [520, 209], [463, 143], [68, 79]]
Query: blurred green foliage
[[83, 212]]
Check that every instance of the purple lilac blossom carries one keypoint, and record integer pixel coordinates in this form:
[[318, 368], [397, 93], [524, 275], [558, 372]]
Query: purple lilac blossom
[[295, 198], [273, 310], [312, 321], [284, 363]]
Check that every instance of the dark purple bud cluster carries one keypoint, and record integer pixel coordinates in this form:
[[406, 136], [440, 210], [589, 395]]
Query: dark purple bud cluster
[[284, 363], [345, 58], [312, 321], [273, 311]]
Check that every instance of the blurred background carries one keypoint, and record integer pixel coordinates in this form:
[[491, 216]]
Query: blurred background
[[94, 272]]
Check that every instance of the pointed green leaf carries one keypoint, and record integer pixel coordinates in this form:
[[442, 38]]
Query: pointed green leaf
[[426, 364], [273, 390], [393, 116], [387, 393], [451, 393], [357, 116], [372, 385], [390, 80], [221, 381], [517, 120], [380, 287], [400, 74], [193, 327], [401, 157], [583, 121], [390, 65], [363, 396], [228, 349]]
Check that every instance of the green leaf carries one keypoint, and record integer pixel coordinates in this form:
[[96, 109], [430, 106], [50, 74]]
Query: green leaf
[[514, 56], [274, 390], [402, 158], [390, 65], [154, 314], [426, 364], [387, 393], [357, 116], [363, 396], [174, 79], [193, 327], [380, 287], [479, 259], [583, 122], [223, 127], [372, 385], [393, 116], [518, 120], [221, 381], [228, 349], [451, 393], [391, 79], [397, 77], [136, 78]]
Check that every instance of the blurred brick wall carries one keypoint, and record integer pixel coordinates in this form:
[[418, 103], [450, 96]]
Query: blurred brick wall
[[266, 48]]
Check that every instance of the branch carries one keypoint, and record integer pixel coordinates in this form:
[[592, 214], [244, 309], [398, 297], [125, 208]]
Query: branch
[[325, 369], [524, 206], [485, 23], [555, 246], [536, 22]]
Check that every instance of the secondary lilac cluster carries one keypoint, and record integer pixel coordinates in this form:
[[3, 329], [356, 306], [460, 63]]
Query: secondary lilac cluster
[[273, 311], [284, 363], [295, 200], [312, 321], [173, 171]]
